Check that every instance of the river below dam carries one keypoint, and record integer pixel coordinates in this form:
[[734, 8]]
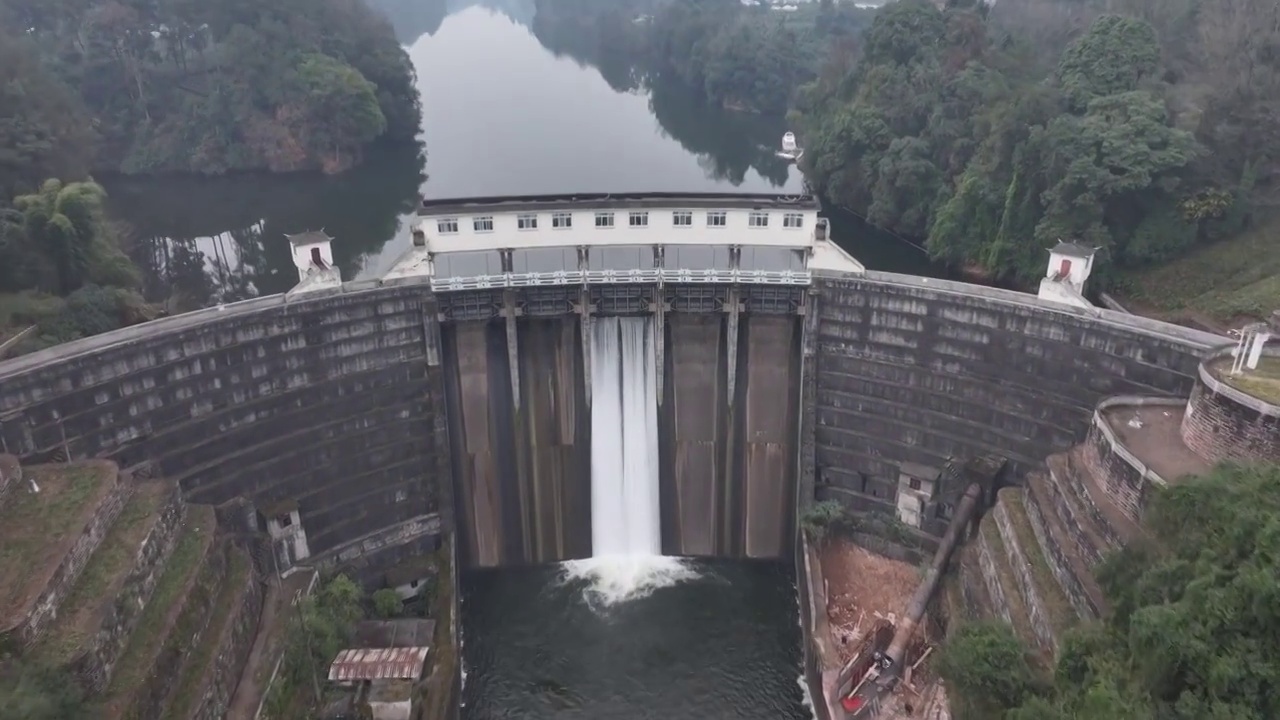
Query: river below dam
[[723, 644], [506, 111]]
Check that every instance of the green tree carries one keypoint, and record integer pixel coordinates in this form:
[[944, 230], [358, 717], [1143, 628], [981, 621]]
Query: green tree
[[1115, 56], [338, 110], [988, 665], [1194, 614], [64, 227], [387, 604], [28, 692]]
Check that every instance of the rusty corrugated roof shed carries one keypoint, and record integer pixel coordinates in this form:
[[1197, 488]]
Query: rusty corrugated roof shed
[[378, 664]]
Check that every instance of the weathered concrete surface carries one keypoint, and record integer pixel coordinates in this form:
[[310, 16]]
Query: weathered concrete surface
[[476, 410], [770, 400], [553, 443], [919, 370], [322, 400], [692, 424]]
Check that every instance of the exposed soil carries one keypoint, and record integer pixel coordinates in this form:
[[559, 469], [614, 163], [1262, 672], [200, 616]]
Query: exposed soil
[[267, 645], [862, 587]]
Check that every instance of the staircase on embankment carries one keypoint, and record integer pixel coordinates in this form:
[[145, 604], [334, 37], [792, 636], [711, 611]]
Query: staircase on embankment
[[125, 588]]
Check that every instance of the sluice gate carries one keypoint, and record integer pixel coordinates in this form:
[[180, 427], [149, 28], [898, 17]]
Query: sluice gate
[[519, 387]]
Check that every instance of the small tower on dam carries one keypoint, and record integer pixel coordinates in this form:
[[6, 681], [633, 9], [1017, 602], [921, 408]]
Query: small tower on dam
[[312, 253], [1069, 267]]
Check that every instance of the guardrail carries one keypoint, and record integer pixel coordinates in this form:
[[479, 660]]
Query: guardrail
[[622, 277]]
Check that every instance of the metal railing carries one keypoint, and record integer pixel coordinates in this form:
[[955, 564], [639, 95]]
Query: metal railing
[[622, 277]]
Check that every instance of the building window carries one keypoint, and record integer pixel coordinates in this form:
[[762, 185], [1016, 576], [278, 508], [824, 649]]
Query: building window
[[562, 220], [793, 220], [639, 219], [682, 218], [913, 483], [758, 220], [604, 219], [483, 224], [284, 520], [716, 218], [446, 226], [527, 222]]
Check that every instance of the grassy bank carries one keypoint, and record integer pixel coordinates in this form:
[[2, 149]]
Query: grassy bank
[[1219, 284]]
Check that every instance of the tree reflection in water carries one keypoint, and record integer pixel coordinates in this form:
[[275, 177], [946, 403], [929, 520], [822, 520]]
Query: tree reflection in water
[[201, 241]]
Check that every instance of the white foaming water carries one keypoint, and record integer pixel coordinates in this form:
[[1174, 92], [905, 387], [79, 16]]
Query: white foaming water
[[626, 526]]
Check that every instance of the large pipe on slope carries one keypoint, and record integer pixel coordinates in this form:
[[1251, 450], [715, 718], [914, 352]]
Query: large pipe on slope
[[868, 692]]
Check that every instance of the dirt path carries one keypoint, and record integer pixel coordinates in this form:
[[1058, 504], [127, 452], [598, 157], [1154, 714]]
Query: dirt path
[[266, 646], [862, 587]]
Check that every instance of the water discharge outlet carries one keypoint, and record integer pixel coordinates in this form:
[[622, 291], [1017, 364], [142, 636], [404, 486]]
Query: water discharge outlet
[[626, 527]]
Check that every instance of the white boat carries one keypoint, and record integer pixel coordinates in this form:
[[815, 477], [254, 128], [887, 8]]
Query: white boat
[[789, 149]]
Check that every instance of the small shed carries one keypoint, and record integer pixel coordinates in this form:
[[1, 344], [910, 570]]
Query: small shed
[[385, 678]]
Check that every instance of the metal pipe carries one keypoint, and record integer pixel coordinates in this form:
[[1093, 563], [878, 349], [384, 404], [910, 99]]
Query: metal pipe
[[920, 600]]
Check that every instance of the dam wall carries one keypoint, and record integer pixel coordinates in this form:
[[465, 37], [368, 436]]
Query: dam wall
[[916, 370], [355, 407], [328, 404]]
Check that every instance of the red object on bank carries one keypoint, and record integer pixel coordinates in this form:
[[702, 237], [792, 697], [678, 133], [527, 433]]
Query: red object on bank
[[851, 703]]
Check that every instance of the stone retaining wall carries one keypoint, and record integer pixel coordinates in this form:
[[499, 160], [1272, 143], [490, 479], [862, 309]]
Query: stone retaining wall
[[1059, 563], [93, 668], [234, 647], [1077, 464], [1223, 423], [1041, 624], [45, 609], [150, 696], [1121, 475], [991, 579]]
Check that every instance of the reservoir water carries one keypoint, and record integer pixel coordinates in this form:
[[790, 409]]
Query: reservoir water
[[503, 114]]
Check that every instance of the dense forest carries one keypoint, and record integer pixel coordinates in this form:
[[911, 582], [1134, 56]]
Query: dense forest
[[152, 86], [732, 56], [1143, 127], [1190, 636], [144, 87]]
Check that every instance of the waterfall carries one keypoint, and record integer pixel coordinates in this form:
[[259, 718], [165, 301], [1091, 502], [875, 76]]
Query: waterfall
[[626, 524]]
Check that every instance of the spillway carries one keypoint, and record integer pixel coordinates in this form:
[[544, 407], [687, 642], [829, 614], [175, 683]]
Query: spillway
[[625, 519]]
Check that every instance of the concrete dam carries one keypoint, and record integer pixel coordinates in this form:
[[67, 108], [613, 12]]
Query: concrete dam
[[747, 363]]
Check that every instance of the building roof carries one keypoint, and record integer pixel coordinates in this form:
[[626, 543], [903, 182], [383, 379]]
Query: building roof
[[919, 471], [534, 203], [1073, 249], [310, 237], [355, 664]]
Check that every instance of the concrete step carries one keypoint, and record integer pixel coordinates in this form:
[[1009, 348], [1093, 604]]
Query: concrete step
[[100, 612], [1061, 549], [1002, 585], [47, 538], [171, 623], [211, 668], [1050, 611]]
